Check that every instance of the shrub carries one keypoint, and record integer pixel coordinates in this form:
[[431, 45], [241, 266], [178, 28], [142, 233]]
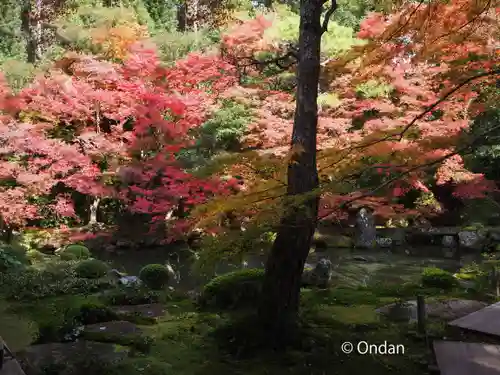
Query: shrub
[[35, 284], [437, 278], [233, 290], [131, 296], [35, 256], [154, 276], [74, 252], [92, 313], [11, 258], [91, 269]]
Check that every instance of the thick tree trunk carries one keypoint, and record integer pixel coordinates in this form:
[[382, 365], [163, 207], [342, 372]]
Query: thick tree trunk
[[281, 289]]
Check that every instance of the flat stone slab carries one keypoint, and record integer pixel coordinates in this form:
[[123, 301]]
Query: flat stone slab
[[446, 310], [150, 310], [461, 358], [486, 320], [116, 328], [34, 358], [11, 367]]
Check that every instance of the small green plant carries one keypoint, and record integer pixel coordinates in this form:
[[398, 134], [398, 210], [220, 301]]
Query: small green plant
[[91, 269], [433, 277], [154, 276], [233, 290], [74, 252]]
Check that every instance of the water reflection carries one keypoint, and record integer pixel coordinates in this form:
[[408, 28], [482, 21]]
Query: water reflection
[[351, 267]]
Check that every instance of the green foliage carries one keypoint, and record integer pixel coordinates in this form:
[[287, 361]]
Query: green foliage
[[336, 41], [91, 269], [486, 157], [373, 89], [329, 100], [154, 276], [34, 239], [222, 132], [437, 278], [74, 252], [131, 296], [18, 73], [11, 43], [35, 256], [174, 45], [94, 312], [227, 125], [163, 13], [52, 280], [233, 290], [11, 258]]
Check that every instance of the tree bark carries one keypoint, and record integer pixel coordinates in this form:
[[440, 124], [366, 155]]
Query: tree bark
[[182, 16], [279, 306], [31, 16]]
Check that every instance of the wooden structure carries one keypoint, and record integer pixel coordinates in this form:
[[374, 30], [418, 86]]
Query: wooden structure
[[486, 320], [8, 364], [464, 358]]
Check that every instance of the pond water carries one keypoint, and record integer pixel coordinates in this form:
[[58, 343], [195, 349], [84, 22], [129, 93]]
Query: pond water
[[351, 267]]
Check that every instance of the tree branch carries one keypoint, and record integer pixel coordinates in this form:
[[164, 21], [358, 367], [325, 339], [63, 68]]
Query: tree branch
[[328, 15]]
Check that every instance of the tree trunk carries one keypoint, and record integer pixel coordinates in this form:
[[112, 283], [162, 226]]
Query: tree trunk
[[182, 16], [279, 306], [31, 16]]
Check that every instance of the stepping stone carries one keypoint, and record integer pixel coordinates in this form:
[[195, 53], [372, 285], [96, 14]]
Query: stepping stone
[[486, 320], [116, 328], [34, 358], [461, 358], [150, 310], [446, 310]]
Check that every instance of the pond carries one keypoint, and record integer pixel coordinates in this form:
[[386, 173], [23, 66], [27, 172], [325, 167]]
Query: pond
[[351, 267]]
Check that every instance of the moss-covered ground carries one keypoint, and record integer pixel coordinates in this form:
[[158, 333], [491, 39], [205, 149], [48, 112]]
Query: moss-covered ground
[[189, 341]]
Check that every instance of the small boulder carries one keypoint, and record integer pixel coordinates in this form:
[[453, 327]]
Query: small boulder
[[320, 275]]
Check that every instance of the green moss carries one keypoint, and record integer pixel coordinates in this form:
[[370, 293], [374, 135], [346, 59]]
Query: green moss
[[155, 276], [91, 269], [17, 331], [74, 252], [438, 278], [234, 289]]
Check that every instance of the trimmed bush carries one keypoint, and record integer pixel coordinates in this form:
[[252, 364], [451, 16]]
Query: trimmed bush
[[154, 276], [92, 313], [233, 290], [75, 252], [437, 278], [91, 269], [131, 296]]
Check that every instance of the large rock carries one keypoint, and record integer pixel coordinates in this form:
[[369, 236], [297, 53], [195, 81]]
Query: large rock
[[117, 331], [320, 275], [449, 241], [472, 239], [34, 359], [447, 310]]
